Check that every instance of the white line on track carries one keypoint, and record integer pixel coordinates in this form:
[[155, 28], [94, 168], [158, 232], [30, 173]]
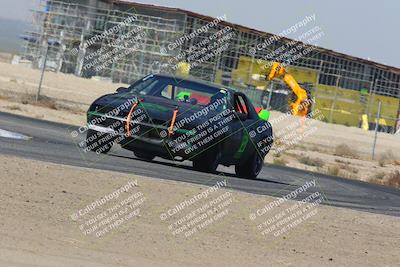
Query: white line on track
[[13, 135]]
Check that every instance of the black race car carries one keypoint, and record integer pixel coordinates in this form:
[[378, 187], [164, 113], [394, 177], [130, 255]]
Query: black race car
[[182, 119]]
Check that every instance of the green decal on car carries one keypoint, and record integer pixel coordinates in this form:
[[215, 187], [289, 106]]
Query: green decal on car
[[181, 95], [154, 106], [243, 145], [264, 114]]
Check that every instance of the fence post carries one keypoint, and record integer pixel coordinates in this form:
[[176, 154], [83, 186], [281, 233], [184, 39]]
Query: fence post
[[333, 105], [270, 95], [42, 74], [378, 115]]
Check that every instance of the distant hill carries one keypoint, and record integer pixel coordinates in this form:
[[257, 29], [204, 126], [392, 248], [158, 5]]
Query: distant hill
[[10, 31]]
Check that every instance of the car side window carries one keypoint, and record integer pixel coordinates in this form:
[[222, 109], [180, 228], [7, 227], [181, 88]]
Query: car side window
[[168, 91], [240, 104]]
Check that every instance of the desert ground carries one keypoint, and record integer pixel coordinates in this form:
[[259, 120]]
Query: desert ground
[[308, 144], [37, 227]]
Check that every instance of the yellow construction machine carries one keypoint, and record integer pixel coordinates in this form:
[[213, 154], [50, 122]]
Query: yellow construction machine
[[301, 105]]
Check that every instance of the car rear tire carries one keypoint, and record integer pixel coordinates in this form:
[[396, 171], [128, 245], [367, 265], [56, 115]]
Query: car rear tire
[[97, 142], [251, 168], [207, 161], [144, 155]]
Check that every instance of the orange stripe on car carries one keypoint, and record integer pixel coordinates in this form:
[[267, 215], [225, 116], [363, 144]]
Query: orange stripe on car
[[128, 119], [171, 127]]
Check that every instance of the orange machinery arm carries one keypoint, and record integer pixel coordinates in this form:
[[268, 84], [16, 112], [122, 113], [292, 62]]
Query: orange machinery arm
[[300, 106]]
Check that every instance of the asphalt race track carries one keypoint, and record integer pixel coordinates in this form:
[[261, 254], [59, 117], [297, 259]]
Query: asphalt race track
[[52, 142]]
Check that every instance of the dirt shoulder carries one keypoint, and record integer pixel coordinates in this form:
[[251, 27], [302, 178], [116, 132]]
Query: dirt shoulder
[[41, 224]]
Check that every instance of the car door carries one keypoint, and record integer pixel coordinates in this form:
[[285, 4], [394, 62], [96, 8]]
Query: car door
[[245, 122]]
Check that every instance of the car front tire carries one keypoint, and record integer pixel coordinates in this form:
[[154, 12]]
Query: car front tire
[[251, 168], [207, 161], [143, 155]]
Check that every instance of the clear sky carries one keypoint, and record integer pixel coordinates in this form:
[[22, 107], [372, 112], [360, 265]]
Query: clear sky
[[362, 28]]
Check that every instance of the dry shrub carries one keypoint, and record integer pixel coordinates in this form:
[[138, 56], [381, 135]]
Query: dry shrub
[[44, 101], [387, 158], [346, 165], [342, 161], [333, 170], [349, 168], [277, 154], [344, 150], [70, 107], [277, 141], [379, 175], [317, 162], [279, 161], [13, 107], [391, 179], [318, 148], [47, 103]]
